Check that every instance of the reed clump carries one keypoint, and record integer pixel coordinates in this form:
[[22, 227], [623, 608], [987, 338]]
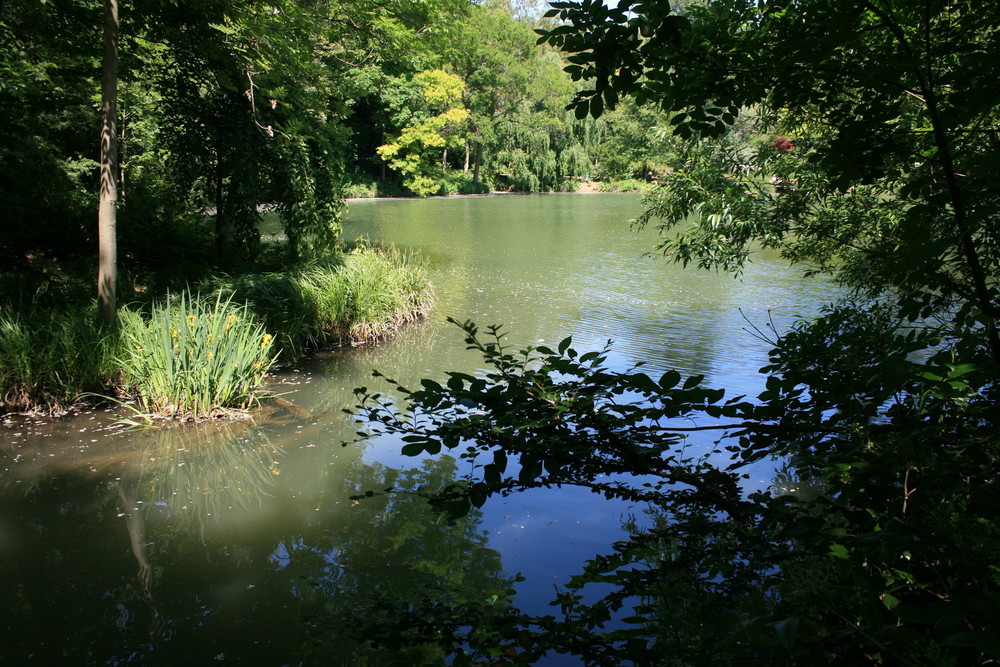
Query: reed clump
[[359, 296], [194, 356], [200, 354], [49, 357]]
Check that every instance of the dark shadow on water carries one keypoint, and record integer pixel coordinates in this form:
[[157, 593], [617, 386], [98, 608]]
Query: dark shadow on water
[[191, 548]]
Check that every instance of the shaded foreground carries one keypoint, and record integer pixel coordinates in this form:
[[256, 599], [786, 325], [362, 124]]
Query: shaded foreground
[[165, 552]]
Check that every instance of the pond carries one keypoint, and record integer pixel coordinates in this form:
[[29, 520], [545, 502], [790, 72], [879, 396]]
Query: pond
[[243, 543]]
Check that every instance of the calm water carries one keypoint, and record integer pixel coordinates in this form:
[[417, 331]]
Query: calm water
[[241, 544]]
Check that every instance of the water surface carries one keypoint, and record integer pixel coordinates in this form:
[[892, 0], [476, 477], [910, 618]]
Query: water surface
[[240, 543]]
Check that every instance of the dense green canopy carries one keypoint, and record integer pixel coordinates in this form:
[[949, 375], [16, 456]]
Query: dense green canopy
[[229, 107]]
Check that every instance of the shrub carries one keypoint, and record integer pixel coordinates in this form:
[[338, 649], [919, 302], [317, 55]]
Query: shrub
[[194, 357], [461, 183], [361, 191], [624, 185]]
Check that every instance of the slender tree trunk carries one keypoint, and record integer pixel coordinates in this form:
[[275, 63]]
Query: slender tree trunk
[[221, 221], [479, 161], [444, 160], [107, 265], [122, 154], [381, 168], [465, 168]]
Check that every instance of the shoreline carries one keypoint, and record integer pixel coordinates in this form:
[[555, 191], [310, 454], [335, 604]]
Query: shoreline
[[586, 188]]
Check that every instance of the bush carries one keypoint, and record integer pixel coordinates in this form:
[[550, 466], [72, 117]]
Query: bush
[[624, 185], [361, 191], [461, 183], [194, 356]]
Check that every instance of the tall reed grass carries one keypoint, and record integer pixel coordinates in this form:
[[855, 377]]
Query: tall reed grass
[[194, 356], [48, 358], [356, 297]]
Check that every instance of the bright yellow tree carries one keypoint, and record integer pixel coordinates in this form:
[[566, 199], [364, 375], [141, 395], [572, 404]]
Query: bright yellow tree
[[438, 127]]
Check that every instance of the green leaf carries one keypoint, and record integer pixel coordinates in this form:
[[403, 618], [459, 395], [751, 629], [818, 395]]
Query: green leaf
[[414, 449], [890, 601], [596, 106], [669, 379], [431, 385], [693, 381], [839, 551]]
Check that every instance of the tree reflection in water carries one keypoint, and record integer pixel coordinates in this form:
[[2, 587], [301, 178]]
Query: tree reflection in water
[[234, 564]]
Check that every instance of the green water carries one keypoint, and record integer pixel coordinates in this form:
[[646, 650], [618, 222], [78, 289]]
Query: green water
[[240, 543]]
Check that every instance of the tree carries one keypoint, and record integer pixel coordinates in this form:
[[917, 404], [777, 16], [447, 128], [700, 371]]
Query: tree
[[879, 102], [48, 63], [436, 125], [107, 275], [872, 158]]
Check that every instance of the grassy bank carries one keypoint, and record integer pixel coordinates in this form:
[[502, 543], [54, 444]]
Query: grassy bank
[[208, 349], [355, 297]]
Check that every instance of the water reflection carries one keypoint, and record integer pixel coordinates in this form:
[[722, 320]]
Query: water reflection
[[199, 474], [194, 545], [238, 564]]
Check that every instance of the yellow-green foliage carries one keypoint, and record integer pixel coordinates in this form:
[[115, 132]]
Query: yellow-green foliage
[[438, 127], [441, 90], [194, 357]]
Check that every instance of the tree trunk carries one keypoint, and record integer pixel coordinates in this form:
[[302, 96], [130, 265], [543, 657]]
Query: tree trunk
[[444, 160], [221, 220], [465, 168], [122, 154], [479, 161], [107, 265]]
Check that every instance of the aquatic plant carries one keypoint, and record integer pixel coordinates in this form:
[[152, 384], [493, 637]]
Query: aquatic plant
[[194, 356], [356, 297], [49, 357]]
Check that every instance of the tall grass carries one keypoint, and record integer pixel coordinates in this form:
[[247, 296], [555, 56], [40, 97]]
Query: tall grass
[[194, 356], [48, 358], [359, 296]]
